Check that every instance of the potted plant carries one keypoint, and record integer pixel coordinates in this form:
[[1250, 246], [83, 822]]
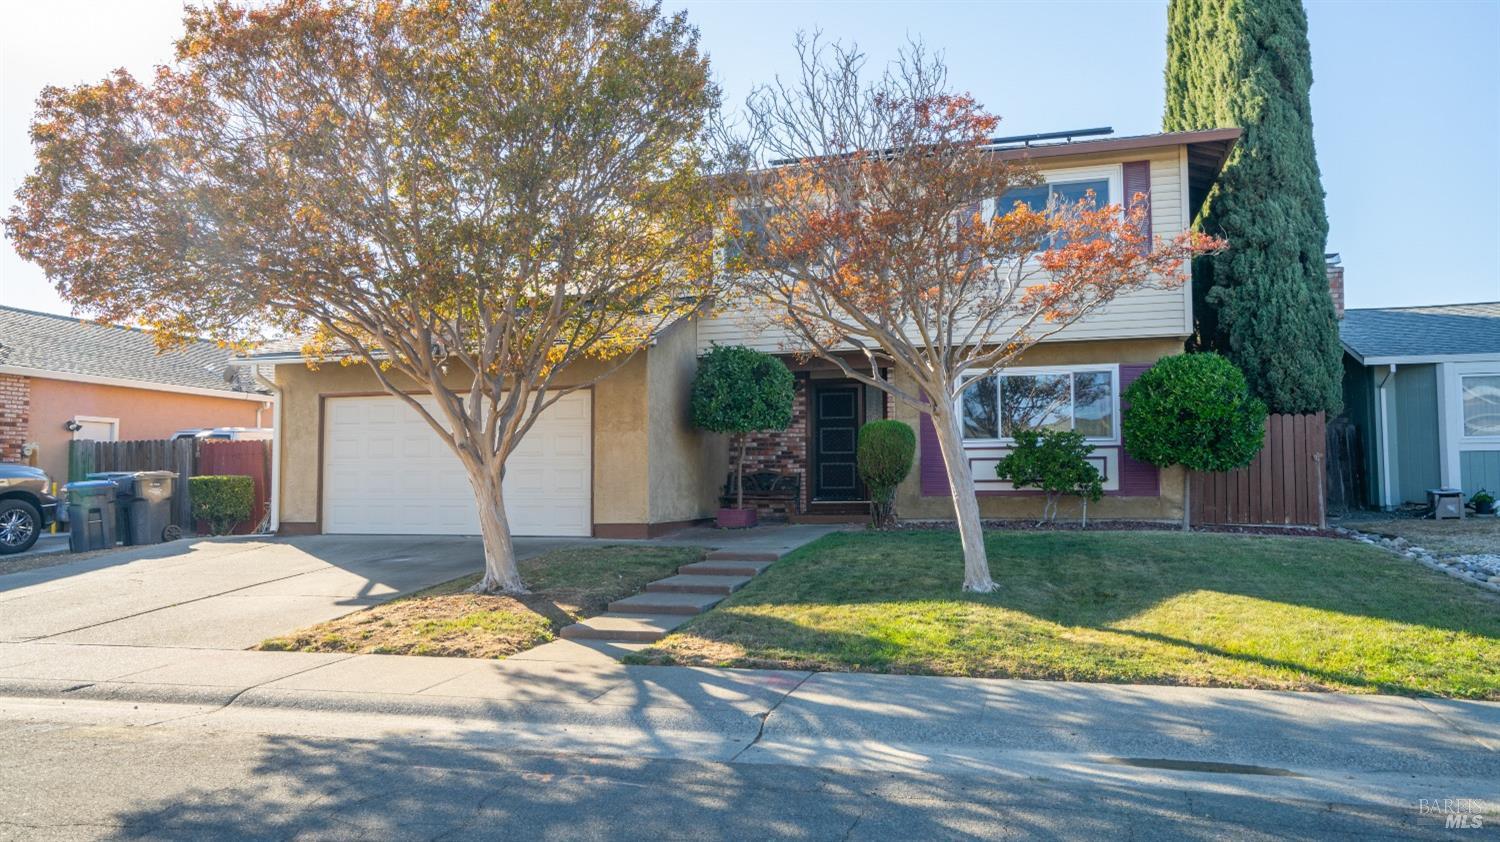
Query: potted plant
[[1483, 502], [739, 391]]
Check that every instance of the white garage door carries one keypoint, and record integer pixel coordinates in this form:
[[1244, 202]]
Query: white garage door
[[386, 472]]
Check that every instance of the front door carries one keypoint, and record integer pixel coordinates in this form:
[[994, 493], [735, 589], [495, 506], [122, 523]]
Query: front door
[[835, 429]]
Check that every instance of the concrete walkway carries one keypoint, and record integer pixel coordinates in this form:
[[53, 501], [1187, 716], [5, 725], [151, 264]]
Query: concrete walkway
[[1380, 750], [735, 558], [228, 593]]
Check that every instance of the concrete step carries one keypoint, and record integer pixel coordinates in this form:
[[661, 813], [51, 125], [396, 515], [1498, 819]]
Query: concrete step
[[723, 568], [629, 628], [698, 583], [731, 554], [666, 603]]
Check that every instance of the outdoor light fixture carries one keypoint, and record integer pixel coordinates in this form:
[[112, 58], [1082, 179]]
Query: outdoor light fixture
[[72, 426]]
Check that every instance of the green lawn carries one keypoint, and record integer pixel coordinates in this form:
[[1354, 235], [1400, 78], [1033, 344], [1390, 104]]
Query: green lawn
[[1144, 607], [567, 584]]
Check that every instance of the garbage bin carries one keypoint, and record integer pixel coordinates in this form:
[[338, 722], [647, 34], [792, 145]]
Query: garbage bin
[[151, 507], [143, 504], [91, 511], [124, 483]]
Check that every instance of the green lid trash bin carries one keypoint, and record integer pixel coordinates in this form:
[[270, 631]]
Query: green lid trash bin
[[91, 510]]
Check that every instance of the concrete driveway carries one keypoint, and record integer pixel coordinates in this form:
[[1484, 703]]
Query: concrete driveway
[[228, 593]]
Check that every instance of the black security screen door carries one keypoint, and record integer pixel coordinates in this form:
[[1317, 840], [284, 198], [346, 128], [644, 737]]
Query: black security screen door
[[835, 429]]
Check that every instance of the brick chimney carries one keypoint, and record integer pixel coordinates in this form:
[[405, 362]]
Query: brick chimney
[[1336, 284]]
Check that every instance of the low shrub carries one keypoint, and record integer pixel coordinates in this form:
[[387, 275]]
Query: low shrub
[[1056, 462], [224, 502], [884, 457]]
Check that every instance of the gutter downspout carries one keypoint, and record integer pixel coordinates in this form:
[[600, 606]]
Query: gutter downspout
[[1386, 494], [275, 524]]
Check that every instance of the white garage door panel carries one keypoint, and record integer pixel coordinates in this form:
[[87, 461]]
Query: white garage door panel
[[386, 472]]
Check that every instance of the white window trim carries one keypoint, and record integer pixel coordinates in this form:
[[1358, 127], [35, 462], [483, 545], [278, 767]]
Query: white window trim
[[1464, 436], [114, 424], [1113, 173], [1113, 370]]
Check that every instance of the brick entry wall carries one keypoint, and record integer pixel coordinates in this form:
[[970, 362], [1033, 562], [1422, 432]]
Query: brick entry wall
[[15, 415], [781, 451]]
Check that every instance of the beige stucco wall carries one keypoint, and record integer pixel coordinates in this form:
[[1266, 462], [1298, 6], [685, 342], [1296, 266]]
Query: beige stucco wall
[[648, 463], [143, 414], [686, 465], [1167, 506]]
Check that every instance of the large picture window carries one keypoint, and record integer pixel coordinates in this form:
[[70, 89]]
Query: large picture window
[[996, 407], [1481, 396]]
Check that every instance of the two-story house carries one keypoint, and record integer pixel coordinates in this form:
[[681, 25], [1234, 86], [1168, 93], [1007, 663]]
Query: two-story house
[[620, 459]]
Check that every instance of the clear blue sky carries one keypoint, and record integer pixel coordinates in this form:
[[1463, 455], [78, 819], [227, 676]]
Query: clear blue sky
[[1406, 103]]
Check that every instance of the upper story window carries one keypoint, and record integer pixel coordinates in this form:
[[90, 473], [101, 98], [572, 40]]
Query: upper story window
[[1038, 197], [1082, 399], [1481, 399]]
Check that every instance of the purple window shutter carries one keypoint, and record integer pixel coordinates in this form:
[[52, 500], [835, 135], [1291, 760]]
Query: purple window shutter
[[1137, 479], [1137, 178], [933, 475]]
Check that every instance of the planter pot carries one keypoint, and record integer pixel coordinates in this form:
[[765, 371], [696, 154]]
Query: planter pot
[[1484, 508], [736, 518]]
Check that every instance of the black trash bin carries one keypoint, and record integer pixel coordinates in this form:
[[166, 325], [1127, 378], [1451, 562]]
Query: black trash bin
[[151, 507], [143, 504], [124, 483], [91, 512]]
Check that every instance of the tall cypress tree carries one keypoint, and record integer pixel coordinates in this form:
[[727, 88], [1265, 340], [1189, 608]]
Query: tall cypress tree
[[1264, 302]]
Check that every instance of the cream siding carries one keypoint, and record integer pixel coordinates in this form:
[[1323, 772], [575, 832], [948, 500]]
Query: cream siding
[[1147, 313]]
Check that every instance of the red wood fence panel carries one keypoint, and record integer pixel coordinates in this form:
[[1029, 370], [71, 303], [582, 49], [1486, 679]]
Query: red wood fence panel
[[1283, 486], [243, 458]]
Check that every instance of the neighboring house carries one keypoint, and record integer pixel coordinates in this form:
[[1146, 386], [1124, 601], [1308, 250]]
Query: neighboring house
[[1422, 385], [63, 378], [620, 459]]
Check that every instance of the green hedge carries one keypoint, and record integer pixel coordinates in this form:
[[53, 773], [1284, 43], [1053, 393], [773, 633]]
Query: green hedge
[[884, 456], [223, 501]]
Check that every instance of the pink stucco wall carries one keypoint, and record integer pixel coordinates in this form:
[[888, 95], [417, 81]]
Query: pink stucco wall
[[143, 414]]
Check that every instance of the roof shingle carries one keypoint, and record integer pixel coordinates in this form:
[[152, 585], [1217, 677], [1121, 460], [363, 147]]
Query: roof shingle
[[66, 345], [1439, 330]]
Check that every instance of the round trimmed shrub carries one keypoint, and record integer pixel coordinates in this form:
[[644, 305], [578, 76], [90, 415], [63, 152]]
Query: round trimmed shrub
[[1193, 410], [740, 390], [884, 458]]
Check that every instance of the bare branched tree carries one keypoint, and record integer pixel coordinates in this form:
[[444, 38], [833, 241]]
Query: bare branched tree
[[868, 226]]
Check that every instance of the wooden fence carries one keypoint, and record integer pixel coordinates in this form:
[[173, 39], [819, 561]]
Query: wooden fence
[[246, 458], [184, 457], [1284, 486]]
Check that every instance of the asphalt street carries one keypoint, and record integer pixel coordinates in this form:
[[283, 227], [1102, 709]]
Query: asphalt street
[[65, 777]]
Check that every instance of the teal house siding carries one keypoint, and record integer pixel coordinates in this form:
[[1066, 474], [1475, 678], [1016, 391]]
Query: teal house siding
[[1414, 443], [1480, 469]]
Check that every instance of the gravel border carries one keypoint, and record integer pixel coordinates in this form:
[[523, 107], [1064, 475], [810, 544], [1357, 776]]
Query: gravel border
[[1456, 566]]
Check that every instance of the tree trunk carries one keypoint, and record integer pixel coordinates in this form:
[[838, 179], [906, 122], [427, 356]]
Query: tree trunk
[[965, 504], [501, 575], [739, 474]]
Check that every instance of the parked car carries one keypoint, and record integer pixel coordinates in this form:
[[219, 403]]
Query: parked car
[[224, 434], [26, 507]]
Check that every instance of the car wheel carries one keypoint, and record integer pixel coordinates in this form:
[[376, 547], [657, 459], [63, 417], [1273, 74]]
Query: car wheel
[[20, 523]]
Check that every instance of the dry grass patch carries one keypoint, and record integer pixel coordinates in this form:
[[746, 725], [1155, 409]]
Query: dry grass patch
[[1471, 536], [567, 584]]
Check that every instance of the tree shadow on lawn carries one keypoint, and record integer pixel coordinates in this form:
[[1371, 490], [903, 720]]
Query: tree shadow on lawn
[[1198, 594], [1099, 579]]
